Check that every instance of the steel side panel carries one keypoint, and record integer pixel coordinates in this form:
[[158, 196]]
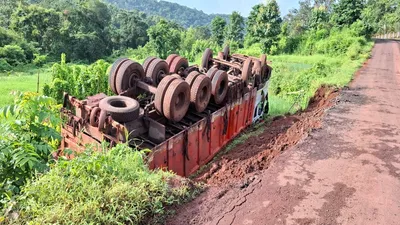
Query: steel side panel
[[204, 144], [216, 131], [176, 161], [224, 137], [241, 119], [235, 120], [159, 157], [246, 110], [77, 144], [250, 110], [192, 159]]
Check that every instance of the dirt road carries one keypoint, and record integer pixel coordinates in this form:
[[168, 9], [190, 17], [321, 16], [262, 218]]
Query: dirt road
[[345, 170]]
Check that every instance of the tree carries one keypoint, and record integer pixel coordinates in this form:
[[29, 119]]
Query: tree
[[319, 18], [382, 15], [7, 7], [264, 23], [129, 29], [299, 19], [235, 28], [37, 24], [165, 37], [346, 12], [218, 25]]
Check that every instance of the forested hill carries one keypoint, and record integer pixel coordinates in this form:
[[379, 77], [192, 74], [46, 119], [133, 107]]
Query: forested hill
[[181, 14]]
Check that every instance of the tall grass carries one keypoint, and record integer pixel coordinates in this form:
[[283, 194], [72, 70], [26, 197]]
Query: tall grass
[[114, 187]]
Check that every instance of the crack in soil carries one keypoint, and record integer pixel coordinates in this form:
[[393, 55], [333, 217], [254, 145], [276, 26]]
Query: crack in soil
[[238, 205]]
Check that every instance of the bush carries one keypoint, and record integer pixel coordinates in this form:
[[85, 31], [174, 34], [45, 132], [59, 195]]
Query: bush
[[78, 81], [39, 60], [28, 136], [337, 43], [353, 52], [141, 53], [113, 187], [4, 66], [13, 54], [200, 45], [254, 50]]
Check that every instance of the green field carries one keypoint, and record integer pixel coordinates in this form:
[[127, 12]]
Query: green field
[[23, 79]]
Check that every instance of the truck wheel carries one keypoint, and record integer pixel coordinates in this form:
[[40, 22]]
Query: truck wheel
[[147, 63], [158, 69], [176, 100], [200, 93], [227, 53], [94, 117], [206, 60], [246, 71], [122, 109], [178, 65], [113, 71], [171, 58], [160, 94], [219, 86], [129, 72]]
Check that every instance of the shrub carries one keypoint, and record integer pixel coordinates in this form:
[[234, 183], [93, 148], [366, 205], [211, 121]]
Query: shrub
[[4, 66], [28, 135], [39, 60], [200, 45], [13, 54], [79, 81], [141, 53], [114, 187], [353, 52], [254, 50]]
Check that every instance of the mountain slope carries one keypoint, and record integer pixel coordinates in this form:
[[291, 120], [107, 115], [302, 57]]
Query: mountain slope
[[183, 15]]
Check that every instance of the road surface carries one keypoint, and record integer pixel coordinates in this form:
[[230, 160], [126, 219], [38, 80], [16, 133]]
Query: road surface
[[346, 172]]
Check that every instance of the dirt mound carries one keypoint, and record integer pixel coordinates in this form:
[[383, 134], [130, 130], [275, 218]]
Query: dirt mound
[[280, 134]]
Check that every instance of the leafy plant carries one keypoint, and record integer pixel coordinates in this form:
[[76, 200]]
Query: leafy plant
[[28, 137], [79, 81], [113, 187]]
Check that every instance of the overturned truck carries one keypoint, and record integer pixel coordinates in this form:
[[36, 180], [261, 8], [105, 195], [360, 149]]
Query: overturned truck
[[184, 114]]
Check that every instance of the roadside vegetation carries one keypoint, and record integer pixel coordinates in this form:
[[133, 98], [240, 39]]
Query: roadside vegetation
[[71, 45]]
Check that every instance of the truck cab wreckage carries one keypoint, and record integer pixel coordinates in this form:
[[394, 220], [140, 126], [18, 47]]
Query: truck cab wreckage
[[184, 114]]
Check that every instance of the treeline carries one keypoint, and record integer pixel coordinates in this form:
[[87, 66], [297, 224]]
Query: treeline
[[84, 30], [32, 31], [315, 26], [180, 14]]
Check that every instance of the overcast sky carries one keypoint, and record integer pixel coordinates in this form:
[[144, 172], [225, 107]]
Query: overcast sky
[[228, 6]]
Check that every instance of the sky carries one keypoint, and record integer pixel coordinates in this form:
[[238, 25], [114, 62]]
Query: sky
[[228, 6]]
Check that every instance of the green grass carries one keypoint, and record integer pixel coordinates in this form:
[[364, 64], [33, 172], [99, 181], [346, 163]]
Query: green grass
[[24, 78], [296, 78], [113, 187]]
